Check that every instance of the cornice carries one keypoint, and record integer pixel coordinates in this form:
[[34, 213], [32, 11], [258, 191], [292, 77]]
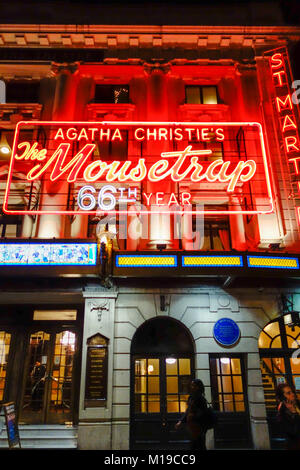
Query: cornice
[[136, 36]]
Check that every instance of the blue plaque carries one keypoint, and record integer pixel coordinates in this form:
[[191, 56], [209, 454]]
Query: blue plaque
[[226, 332]]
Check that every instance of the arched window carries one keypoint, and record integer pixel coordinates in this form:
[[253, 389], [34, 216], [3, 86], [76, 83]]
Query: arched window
[[279, 347]]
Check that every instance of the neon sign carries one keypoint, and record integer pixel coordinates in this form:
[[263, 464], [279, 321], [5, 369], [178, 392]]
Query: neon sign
[[168, 165], [286, 110]]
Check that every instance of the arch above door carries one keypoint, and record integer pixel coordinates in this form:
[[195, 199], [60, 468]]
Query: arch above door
[[160, 335]]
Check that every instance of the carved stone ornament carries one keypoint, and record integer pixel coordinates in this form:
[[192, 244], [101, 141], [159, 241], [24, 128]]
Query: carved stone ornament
[[56, 68], [94, 306], [157, 66]]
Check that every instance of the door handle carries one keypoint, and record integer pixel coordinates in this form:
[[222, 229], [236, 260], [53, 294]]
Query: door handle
[[164, 422]]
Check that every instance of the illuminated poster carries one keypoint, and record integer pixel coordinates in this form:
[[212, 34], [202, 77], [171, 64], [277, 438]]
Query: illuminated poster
[[37, 254], [121, 167]]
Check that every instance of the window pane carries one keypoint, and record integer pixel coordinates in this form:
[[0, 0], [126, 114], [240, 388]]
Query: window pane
[[295, 365], [171, 366], [111, 94], [172, 404], [217, 154], [227, 385], [237, 384], [193, 95], [153, 366], [239, 403], [219, 383], [121, 94], [228, 402], [296, 380], [292, 342], [276, 343], [184, 366], [183, 403], [140, 404], [292, 333], [225, 365], [264, 340], [209, 94], [272, 329], [141, 367], [184, 383], [236, 366], [278, 365], [172, 385], [153, 404], [140, 385], [153, 384], [62, 372]]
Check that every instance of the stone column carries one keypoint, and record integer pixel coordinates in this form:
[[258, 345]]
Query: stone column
[[54, 195], [95, 424], [157, 110]]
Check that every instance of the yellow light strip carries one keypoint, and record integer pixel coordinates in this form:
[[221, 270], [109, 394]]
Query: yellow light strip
[[146, 261], [272, 262], [212, 261]]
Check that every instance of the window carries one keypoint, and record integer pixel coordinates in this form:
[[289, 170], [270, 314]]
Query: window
[[108, 150], [147, 386], [216, 234], [20, 91], [111, 94], [227, 384], [178, 379], [216, 148], [174, 390], [4, 351], [197, 94], [10, 226], [279, 346]]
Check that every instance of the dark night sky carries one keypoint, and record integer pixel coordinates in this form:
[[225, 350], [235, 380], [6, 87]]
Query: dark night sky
[[156, 12], [189, 12]]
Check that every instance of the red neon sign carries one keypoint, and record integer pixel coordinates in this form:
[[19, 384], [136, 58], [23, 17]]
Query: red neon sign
[[286, 110], [220, 166]]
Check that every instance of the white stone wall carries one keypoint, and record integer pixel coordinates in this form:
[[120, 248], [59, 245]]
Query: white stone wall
[[198, 309]]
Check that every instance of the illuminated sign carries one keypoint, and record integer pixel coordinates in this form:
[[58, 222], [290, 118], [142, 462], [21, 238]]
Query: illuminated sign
[[121, 167], [45, 254], [143, 261], [287, 112], [272, 262], [212, 260]]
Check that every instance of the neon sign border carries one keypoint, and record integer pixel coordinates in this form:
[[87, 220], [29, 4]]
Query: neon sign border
[[133, 211]]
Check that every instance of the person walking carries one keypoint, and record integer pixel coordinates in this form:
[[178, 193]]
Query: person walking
[[289, 415], [194, 416]]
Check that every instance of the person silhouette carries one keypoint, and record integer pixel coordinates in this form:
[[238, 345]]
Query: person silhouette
[[194, 416], [38, 383]]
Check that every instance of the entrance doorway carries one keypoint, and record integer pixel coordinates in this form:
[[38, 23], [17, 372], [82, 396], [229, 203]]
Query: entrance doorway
[[48, 382], [162, 367]]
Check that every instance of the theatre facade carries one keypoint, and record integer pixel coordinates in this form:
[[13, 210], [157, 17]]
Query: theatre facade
[[150, 195]]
